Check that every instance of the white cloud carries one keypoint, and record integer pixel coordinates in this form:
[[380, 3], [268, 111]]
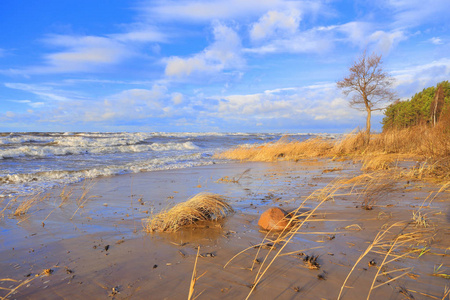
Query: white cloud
[[44, 92], [313, 103], [354, 32], [412, 13], [91, 53], [83, 53], [385, 41], [177, 98], [436, 41], [412, 79], [222, 54], [209, 10], [324, 38], [30, 103], [142, 34], [254, 105], [37, 104], [10, 114], [125, 106], [311, 41], [133, 104], [275, 22], [21, 101]]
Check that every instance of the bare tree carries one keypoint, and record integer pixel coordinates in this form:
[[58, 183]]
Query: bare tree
[[369, 86]]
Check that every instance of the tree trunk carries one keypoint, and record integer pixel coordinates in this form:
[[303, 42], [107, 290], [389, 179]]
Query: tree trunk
[[369, 114]]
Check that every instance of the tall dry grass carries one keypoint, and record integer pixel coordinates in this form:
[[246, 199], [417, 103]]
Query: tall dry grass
[[392, 243], [28, 203], [284, 150], [194, 278], [88, 184], [430, 142], [12, 290], [7, 205]]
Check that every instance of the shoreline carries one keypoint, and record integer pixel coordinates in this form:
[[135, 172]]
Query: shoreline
[[104, 246]]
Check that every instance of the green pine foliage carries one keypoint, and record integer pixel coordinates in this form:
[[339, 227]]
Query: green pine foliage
[[415, 111]]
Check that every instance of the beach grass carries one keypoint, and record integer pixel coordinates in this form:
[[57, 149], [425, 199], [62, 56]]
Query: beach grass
[[29, 202], [13, 289], [194, 278], [7, 205], [201, 207], [430, 144], [88, 184]]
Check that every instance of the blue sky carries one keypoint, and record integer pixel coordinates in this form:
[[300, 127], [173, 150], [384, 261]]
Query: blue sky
[[218, 65]]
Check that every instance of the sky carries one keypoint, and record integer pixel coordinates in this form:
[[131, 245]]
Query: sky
[[208, 66]]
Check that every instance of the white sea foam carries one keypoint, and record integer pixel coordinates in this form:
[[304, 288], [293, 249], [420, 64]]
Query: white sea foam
[[90, 148]]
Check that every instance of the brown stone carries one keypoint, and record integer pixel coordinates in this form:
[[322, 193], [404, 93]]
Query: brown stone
[[273, 219]]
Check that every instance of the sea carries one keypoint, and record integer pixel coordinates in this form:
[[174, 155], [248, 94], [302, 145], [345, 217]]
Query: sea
[[34, 162]]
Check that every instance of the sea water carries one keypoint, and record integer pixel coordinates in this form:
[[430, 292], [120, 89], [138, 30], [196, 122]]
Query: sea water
[[33, 162]]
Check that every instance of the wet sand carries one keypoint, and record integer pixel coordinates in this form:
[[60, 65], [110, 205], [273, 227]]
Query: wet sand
[[103, 252]]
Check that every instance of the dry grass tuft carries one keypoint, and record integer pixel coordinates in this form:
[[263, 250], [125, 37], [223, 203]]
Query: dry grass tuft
[[65, 194], [227, 179], [379, 162], [351, 143], [201, 207], [420, 219], [440, 273], [8, 205], [28, 203], [377, 188], [81, 201]]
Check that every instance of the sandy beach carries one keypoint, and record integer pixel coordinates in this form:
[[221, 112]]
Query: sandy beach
[[225, 149], [102, 251]]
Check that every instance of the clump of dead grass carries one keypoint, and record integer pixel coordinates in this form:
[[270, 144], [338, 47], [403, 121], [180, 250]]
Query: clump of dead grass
[[379, 162], [65, 194], [88, 184], [420, 219], [236, 179], [7, 205], [28, 203], [377, 187], [201, 207]]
